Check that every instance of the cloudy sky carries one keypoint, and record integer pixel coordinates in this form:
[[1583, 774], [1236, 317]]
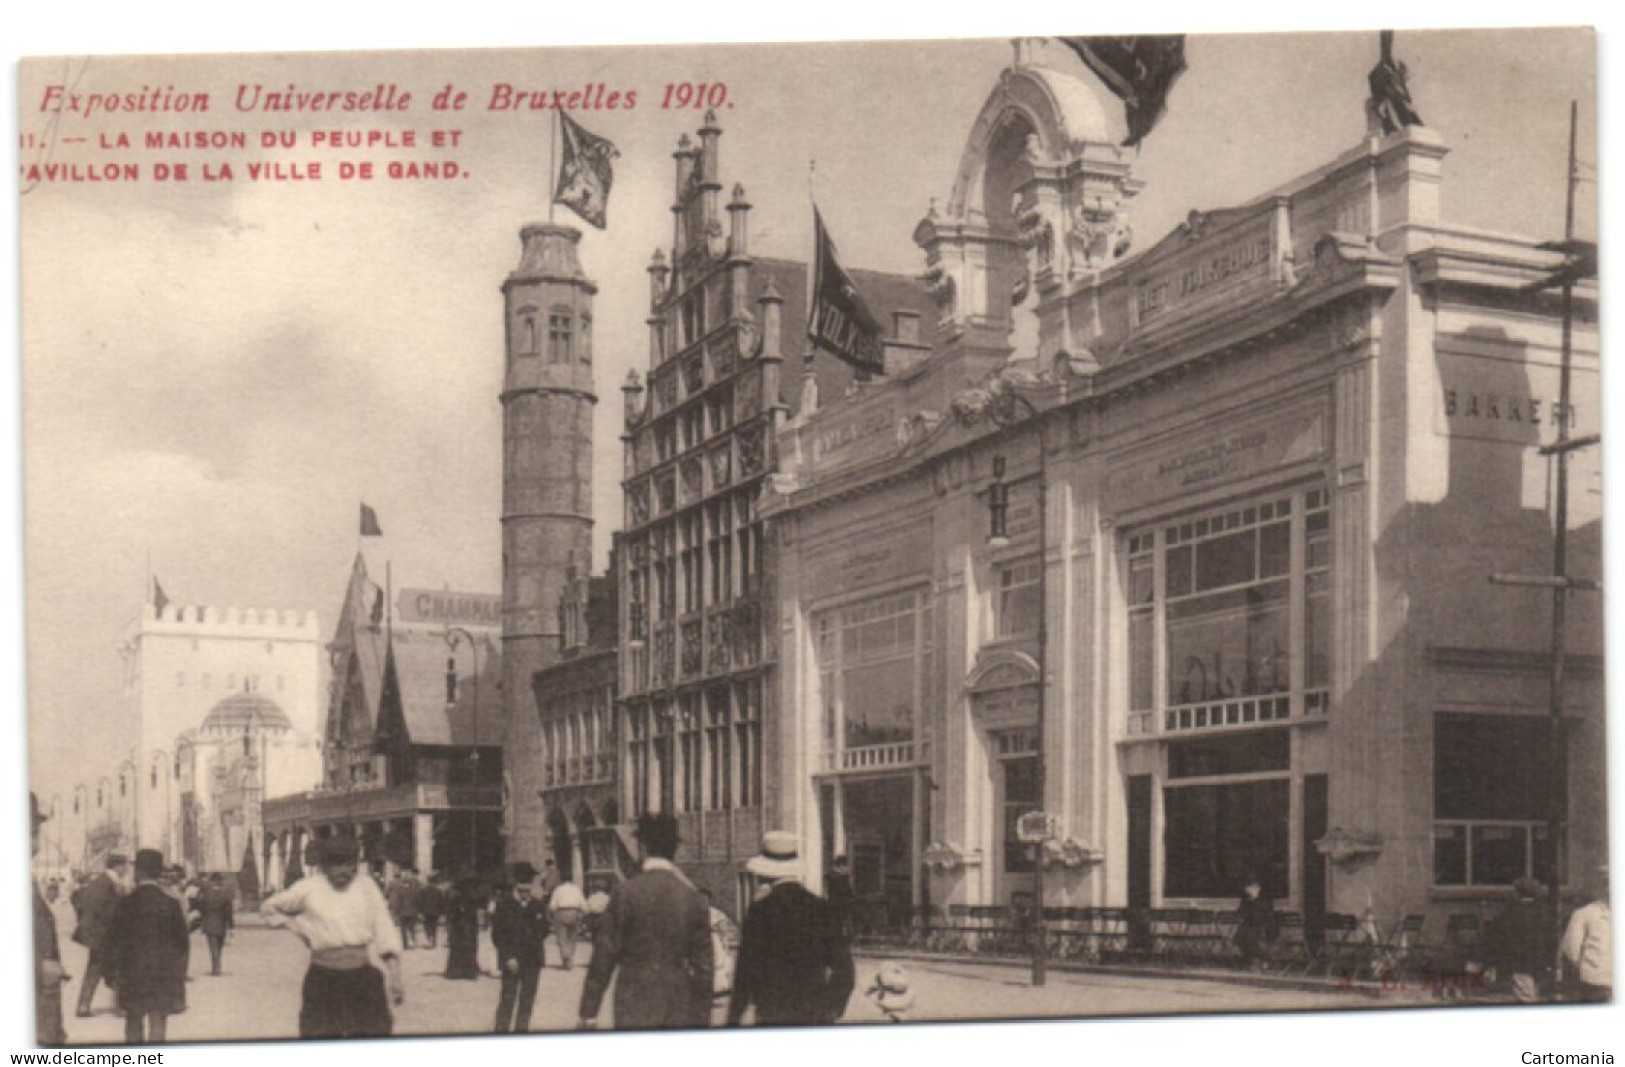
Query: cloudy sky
[[215, 374]]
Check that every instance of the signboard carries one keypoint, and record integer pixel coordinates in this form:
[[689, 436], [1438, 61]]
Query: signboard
[[1036, 826], [446, 607]]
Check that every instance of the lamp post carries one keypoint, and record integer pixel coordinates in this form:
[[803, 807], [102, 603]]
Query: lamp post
[[456, 635], [1008, 408]]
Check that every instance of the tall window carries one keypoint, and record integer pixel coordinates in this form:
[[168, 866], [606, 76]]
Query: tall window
[[748, 728], [875, 661], [559, 336], [691, 532], [1490, 794], [689, 735], [720, 548], [1018, 763], [1018, 598], [637, 749], [1212, 604], [718, 750]]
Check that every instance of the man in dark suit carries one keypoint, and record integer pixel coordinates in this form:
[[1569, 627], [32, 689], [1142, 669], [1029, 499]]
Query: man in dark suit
[[48, 972], [214, 908], [146, 953], [795, 965], [518, 931], [96, 902], [657, 931]]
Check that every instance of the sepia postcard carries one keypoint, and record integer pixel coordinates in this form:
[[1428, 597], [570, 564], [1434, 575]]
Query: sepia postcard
[[785, 535]]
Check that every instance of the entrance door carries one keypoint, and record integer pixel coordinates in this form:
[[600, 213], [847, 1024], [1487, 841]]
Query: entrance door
[[1019, 796], [1314, 864], [1139, 841]]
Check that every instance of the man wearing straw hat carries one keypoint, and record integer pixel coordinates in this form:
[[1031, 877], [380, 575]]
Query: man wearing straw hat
[[340, 917], [657, 932], [795, 966]]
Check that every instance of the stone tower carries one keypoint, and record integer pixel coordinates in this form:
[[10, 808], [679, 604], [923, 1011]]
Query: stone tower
[[547, 406]]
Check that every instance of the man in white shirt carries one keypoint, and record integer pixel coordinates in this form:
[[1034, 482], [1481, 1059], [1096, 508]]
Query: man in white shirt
[[340, 917], [566, 905], [1588, 947]]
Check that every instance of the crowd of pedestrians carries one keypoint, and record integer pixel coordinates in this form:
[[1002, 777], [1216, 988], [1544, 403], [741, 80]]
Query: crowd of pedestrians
[[673, 958]]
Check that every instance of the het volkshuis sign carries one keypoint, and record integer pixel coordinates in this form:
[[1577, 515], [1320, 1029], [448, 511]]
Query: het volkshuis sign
[[1210, 269], [449, 607]]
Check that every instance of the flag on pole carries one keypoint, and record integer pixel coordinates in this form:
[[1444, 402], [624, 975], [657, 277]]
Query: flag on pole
[[369, 523], [159, 600], [838, 320], [1140, 71], [586, 172]]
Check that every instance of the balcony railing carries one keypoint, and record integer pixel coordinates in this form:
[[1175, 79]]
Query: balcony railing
[[876, 757]]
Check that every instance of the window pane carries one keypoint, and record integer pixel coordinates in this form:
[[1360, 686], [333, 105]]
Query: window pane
[[1179, 571], [1317, 632], [1449, 855], [879, 705], [1140, 659], [1215, 834], [1274, 550], [1229, 645], [1241, 753], [1490, 766], [1141, 584], [1227, 560], [1499, 854], [1020, 797]]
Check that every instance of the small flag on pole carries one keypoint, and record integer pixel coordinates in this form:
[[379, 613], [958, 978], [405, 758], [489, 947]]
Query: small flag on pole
[[159, 600], [838, 320], [369, 523], [586, 172], [1140, 71]]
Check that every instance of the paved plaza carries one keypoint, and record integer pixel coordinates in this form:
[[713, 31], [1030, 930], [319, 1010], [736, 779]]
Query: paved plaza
[[257, 997]]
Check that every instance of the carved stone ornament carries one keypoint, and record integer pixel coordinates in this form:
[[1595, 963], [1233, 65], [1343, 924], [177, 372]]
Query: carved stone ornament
[[1070, 853], [1350, 848], [716, 242], [1098, 234], [969, 406], [941, 287], [940, 857]]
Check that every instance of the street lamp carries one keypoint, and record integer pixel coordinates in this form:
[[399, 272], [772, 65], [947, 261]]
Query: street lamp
[[1008, 408], [456, 635]]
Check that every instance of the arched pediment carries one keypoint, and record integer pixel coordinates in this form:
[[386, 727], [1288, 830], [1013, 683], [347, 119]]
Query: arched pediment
[[1000, 669], [1061, 111]]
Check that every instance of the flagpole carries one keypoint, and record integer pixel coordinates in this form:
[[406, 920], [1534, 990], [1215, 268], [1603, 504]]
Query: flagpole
[[552, 162]]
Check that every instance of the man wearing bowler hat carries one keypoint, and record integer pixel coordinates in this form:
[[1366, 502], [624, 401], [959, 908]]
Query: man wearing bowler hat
[[657, 932], [795, 966], [339, 917], [518, 932], [147, 952], [95, 903]]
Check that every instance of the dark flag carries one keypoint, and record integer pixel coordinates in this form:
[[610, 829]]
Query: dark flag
[[837, 319], [369, 523], [1139, 70], [159, 600], [586, 172]]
